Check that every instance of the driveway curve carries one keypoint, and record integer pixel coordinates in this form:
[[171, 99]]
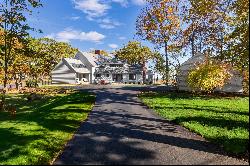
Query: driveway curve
[[121, 130]]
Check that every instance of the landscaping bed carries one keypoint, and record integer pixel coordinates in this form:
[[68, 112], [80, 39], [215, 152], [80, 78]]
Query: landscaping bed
[[221, 119], [41, 128]]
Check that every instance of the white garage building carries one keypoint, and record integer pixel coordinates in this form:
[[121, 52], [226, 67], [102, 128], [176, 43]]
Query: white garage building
[[233, 85]]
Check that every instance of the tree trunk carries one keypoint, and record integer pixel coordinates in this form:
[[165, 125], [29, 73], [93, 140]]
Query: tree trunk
[[5, 81], [167, 65], [221, 46], [144, 72], [20, 79], [192, 43], [5, 89], [17, 85], [200, 46], [5, 76], [5, 65]]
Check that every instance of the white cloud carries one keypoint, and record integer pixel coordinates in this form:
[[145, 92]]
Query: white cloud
[[108, 23], [98, 8], [122, 38], [123, 3], [69, 34], [107, 26], [93, 8], [75, 18], [139, 2], [114, 46]]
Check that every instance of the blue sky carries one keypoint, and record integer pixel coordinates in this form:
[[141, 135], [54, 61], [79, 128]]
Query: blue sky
[[88, 24]]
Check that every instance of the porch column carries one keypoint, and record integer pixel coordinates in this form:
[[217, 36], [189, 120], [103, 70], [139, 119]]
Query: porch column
[[89, 78]]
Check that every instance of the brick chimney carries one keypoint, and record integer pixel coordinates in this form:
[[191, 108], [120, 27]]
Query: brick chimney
[[98, 52]]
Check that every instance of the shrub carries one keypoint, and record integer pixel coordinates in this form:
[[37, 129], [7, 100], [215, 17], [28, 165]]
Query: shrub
[[208, 75], [34, 96]]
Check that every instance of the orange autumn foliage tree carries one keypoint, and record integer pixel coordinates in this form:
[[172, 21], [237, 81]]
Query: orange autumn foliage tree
[[16, 45], [206, 25], [237, 52], [159, 23], [13, 23]]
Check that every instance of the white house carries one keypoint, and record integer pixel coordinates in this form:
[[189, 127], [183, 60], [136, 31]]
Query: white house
[[68, 70], [91, 68], [233, 85]]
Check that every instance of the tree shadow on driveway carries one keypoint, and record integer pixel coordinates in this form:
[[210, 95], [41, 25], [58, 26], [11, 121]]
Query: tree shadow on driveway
[[121, 130]]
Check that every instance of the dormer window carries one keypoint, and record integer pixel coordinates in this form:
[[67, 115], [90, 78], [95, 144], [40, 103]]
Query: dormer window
[[78, 65]]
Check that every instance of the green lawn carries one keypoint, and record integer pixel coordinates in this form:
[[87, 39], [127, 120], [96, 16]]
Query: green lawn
[[221, 120], [41, 128]]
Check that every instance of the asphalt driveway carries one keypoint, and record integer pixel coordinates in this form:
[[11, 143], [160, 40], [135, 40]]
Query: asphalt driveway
[[121, 130]]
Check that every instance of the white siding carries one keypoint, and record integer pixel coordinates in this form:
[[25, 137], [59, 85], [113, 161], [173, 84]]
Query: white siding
[[92, 76], [63, 75], [89, 65]]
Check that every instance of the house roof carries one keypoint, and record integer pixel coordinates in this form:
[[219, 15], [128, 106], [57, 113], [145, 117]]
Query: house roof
[[76, 65], [190, 63], [92, 58]]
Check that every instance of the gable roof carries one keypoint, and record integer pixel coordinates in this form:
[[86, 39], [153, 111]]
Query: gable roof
[[76, 65], [91, 58], [190, 63]]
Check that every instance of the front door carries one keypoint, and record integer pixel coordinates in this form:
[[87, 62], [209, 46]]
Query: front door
[[117, 77]]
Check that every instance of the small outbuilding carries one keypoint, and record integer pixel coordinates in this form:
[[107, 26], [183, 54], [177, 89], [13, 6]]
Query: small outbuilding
[[233, 85]]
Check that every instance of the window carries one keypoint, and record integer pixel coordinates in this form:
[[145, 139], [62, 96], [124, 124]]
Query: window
[[132, 76], [98, 75], [116, 65], [77, 65], [107, 75]]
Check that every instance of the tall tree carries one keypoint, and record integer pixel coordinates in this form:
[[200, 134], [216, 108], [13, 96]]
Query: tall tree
[[17, 47], [206, 25], [159, 22], [135, 53], [13, 22], [237, 51]]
